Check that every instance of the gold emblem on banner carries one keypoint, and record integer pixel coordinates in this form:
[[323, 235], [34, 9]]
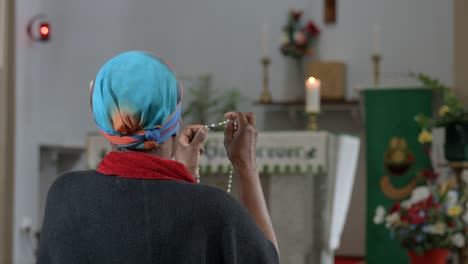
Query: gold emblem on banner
[[398, 160]]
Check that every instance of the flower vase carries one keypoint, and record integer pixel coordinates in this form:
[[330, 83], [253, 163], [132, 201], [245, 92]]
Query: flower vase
[[294, 80], [456, 141], [432, 256]]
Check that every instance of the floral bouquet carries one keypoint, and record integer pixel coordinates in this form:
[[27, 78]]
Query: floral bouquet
[[432, 218], [297, 37]]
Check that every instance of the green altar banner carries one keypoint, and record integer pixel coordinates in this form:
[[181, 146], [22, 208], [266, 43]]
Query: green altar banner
[[394, 156]]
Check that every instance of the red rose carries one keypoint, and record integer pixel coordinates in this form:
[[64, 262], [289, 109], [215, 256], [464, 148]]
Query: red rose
[[296, 14], [451, 224], [311, 29], [426, 173], [405, 218], [416, 215], [419, 206], [428, 202], [396, 207], [423, 205], [429, 174], [416, 220]]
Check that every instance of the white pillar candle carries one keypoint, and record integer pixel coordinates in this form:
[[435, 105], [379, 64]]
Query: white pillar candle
[[265, 40], [312, 95], [376, 39]]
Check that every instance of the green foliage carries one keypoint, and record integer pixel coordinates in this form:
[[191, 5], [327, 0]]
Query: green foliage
[[202, 100], [424, 121], [206, 105], [229, 102], [451, 111]]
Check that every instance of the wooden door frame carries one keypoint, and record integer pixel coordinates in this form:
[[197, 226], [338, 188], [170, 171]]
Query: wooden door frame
[[460, 50], [7, 127]]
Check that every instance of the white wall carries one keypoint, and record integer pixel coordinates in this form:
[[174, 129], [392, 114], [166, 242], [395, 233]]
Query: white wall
[[416, 35], [197, 36]]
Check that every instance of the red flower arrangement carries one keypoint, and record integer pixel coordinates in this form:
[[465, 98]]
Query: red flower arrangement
[[396, 207], [297, 38], [312, 29], [435, 215], [296, 14], [431, 218]]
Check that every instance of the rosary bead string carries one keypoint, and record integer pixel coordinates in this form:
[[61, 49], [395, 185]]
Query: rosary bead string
[[231, 169]]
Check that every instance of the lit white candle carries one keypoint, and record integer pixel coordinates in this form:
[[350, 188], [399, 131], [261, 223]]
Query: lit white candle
[[312, 95], [265, 40], [376, 39]]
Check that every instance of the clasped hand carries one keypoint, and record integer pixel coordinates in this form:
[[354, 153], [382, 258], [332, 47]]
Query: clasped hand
[[240, 138]]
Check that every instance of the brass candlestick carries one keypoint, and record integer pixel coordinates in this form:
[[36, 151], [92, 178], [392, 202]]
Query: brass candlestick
[[266, 95], [376, 58], [312, 122]]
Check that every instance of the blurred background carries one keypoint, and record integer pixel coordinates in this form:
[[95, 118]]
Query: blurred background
[[362, 51]]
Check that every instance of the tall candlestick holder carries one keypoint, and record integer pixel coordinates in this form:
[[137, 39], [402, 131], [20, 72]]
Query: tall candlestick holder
[[376, 58], [266, 95], [312, 125]]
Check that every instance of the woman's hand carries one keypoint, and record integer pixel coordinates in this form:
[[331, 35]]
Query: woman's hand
[[190, 147], [240, 139]]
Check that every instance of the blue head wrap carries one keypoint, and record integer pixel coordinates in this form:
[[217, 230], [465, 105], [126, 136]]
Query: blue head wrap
[[136, 100]]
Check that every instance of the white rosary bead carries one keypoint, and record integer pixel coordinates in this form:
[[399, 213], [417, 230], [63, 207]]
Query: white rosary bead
[[230, 179], [219, 124], [230, 167]]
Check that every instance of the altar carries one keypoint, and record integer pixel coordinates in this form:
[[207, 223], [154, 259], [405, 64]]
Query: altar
[[298, 173]]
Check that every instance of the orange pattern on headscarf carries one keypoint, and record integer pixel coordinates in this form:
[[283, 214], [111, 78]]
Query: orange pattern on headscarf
[[125, 123]]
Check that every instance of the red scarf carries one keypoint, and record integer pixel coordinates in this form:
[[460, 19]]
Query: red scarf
[[138, 165]]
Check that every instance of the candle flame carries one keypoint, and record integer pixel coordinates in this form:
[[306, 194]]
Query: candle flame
[[311, 80]]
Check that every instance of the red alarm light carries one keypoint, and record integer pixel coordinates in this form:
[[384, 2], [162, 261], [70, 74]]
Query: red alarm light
[[44, 31], [39, 28]]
